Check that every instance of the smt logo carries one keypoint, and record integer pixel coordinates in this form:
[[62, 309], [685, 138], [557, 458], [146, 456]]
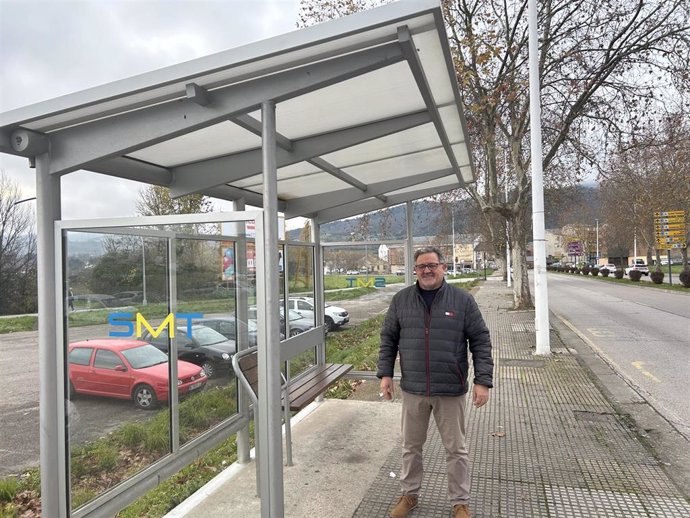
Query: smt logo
[[125, 320]]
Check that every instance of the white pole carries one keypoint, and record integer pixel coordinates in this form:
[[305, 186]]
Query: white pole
[[597, 221], [634, 248], [452, 219], [541, 301], [508, 276]]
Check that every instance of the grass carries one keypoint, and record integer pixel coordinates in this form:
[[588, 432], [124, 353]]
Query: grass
[[16, 324], [348, 294]]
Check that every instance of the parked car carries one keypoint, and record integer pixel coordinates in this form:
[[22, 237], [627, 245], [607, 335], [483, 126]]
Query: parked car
[[298, 323], [203, 346], [609, 266], [333, 315], [227, 326], [641, 267], [128, 369]]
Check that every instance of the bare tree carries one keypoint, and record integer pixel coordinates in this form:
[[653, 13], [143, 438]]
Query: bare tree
[[155, 200], [649, 173], [17, 251], [601, 67]]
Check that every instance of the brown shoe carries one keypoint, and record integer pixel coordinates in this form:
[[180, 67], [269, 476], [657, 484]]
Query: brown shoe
[[461, 511], [405, 504]]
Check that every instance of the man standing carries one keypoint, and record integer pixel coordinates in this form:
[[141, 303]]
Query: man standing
[[431, 324]]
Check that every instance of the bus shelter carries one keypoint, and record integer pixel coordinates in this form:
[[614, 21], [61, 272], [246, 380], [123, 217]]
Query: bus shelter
[[327, 122]]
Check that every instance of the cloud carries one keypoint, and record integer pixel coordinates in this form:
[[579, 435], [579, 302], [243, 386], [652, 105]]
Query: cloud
[[55, 47]]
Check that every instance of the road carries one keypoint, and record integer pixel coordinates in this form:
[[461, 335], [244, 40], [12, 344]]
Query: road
[[643, 333], [91, 417]]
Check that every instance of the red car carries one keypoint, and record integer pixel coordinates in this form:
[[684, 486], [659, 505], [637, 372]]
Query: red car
[[128, 369]]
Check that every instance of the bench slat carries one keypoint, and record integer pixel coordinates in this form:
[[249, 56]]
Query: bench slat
[[319, 383], [303, 390]]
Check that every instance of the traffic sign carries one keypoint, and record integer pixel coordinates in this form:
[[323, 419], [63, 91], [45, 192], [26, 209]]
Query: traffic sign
[[669, 213], [680, 220], [669, 226], [670, 229], [668, 246]]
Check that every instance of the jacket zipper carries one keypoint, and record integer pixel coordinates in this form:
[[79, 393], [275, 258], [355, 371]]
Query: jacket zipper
[[427, 348]]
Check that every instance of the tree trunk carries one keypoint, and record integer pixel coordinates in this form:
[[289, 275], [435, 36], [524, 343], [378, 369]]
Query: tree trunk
[[522, 297]]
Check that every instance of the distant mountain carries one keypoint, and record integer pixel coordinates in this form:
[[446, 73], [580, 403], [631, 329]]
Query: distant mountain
[[580, 204]]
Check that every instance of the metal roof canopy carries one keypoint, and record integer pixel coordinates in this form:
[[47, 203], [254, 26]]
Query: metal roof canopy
[[327, 122], [367, 115]]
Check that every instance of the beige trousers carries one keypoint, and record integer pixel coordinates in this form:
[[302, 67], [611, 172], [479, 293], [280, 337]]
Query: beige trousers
[[449, 414]]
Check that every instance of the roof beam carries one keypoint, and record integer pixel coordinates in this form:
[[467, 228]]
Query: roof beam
[[209, 173], [131, 169], [310, 205], [117, 135], [370, 204], [338, 173], [230, 193], [412, 57], [252, 125]]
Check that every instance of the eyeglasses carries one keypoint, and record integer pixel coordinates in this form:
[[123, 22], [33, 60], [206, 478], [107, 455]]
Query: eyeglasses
[[421, 267]]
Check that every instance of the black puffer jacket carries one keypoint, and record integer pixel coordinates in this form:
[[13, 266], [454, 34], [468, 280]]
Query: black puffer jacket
[[433, 344]]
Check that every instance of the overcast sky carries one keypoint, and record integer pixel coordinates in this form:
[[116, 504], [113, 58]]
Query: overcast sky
[[54, 47]]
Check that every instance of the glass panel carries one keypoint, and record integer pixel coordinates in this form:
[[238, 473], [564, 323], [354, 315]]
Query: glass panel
[[351, 271], [120, 330], [117, 384], [300, 302], [207, 337]]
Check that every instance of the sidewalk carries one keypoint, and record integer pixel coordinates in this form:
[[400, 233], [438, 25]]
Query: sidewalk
[[548, 444]]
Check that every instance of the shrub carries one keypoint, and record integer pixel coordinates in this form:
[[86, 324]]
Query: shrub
[[618, 274], [685, 278], [635, 275], [8, 488], [585, 270], [604, 272], [594, 271], [657, 276]]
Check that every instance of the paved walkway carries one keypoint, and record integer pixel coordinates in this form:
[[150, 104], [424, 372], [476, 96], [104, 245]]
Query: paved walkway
[[549, 444]]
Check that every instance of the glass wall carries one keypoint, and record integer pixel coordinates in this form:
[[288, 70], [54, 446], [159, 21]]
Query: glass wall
[[132, 301], [299, 306]]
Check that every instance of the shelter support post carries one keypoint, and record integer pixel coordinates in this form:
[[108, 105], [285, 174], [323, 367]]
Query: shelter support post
[[409, 244], [319, 299], [269, 411], [241, 305], [54, 480]]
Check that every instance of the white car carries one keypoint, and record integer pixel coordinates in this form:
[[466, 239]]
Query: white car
[[333, 315], [610, 267], [639, 267]]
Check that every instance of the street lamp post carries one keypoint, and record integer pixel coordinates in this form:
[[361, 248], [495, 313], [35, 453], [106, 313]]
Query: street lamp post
[[452, 219], [597, 222]]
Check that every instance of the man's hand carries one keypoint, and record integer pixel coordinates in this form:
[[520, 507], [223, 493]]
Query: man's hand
[[480, 395], [387, 388]]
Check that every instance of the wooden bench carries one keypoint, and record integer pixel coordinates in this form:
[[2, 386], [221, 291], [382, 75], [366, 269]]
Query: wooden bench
[[301, 391]]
